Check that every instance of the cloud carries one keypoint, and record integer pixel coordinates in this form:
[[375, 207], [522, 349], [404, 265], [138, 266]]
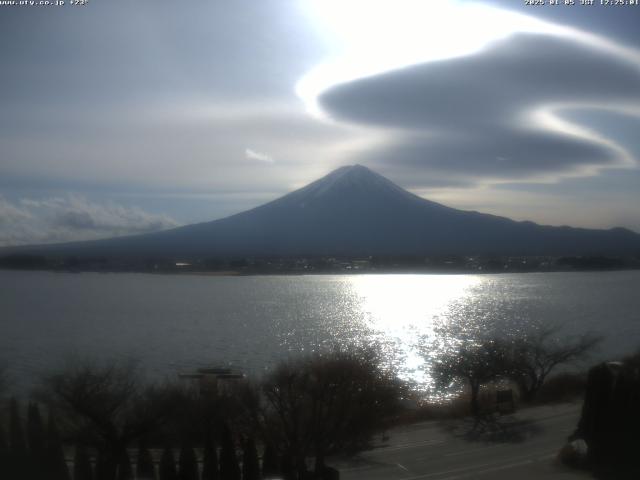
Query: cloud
[[72, 217], [172, 111], [138, 149], [253, 155], [497, 115]]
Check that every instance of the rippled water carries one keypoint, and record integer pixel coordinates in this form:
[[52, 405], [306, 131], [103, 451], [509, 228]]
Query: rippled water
[[174, 323]]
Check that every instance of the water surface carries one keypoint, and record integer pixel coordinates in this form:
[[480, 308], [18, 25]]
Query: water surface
[[178, 322]]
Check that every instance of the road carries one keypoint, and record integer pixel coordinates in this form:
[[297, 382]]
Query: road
[[521, 446]]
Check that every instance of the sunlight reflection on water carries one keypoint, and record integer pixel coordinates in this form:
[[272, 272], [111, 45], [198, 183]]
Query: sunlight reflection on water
[[174, 323], [402, 310]]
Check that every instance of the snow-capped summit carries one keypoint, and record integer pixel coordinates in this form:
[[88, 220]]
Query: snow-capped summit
[[352, 178], [349, 184]]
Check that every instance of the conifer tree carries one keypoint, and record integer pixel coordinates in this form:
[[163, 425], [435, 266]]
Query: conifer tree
[[105, 470], [17, 462], [188, 463], [286, 467], [144, 467], [4, 447], [36, 436], [17, 444], [82, 464], [210, 462], [5, 459], [168, 465], [250, 465], [229, 468], [57, 464], [125, 472], [270, 462]]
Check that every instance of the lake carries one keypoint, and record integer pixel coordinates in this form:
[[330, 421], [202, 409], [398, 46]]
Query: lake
[[175, 323]]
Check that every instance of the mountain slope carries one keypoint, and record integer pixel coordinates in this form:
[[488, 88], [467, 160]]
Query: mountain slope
[[354, 211]]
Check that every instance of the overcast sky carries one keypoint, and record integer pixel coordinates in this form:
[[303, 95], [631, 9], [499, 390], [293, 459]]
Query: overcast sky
[[125, 116]]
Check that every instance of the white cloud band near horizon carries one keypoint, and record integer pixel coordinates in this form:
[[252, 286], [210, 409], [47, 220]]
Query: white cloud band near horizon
[[72, 217]]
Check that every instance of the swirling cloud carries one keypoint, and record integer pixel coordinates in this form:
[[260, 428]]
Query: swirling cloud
[[497, 115]]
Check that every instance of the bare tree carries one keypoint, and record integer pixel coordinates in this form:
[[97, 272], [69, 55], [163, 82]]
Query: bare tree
[[532, 358], [474, 363], [285, 390], [331, 403], [527, 360], [109, 404]]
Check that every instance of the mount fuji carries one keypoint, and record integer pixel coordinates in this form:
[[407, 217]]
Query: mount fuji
[[354, 211]]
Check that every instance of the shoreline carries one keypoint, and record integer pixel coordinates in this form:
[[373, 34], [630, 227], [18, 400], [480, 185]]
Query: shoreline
[[240, 273]]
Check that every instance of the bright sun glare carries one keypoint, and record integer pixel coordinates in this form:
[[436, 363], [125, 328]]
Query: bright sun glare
[[404, 310], [373, 37]]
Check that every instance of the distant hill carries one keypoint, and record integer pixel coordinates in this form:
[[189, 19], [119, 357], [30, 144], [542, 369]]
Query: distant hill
[[355, 212]]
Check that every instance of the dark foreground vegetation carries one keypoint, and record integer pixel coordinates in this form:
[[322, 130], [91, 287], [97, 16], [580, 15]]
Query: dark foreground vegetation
[[115, 426], [106, 422], [610, 422], [525, 361]]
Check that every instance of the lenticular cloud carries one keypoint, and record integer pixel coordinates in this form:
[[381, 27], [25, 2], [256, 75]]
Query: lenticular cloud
[[497, 115]]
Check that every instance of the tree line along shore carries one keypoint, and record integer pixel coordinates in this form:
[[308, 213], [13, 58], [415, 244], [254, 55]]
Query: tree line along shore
[[321, 264]]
